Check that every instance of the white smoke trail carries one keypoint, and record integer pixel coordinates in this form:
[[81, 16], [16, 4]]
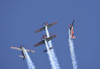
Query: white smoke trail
[[50, 56], [29, 61], [73, 57], [52, 50]]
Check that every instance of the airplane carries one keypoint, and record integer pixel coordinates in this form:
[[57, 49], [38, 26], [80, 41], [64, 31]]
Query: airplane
[[43, 41], [21, 48], [45, 24], [71, 30]]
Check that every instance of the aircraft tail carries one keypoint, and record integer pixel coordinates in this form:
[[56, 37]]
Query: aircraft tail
[[74, 37], [22, 56], [46, 49]]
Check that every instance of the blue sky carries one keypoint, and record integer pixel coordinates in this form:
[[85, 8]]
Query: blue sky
[[19, 19]]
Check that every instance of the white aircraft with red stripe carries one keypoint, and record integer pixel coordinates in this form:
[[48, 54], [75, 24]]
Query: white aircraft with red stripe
[[71, 30]]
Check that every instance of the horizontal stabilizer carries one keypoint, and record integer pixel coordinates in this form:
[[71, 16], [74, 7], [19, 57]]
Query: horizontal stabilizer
[[46, 49], [21, 56], [73, 37]]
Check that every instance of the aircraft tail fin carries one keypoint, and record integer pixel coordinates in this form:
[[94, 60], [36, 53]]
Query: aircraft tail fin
[[74, 37]]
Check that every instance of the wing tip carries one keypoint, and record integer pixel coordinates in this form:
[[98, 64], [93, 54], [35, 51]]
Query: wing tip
[[32, 51], [55, 35], [36, 31], [54, 23], [35, 45], [12, 47]]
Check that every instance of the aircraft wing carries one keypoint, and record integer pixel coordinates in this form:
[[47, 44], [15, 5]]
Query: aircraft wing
[[16, 48], [71, 25], [73, 21], [52, 24], [40, 43], [43, 28], [50, 38], [28, 50], [40, 29]]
